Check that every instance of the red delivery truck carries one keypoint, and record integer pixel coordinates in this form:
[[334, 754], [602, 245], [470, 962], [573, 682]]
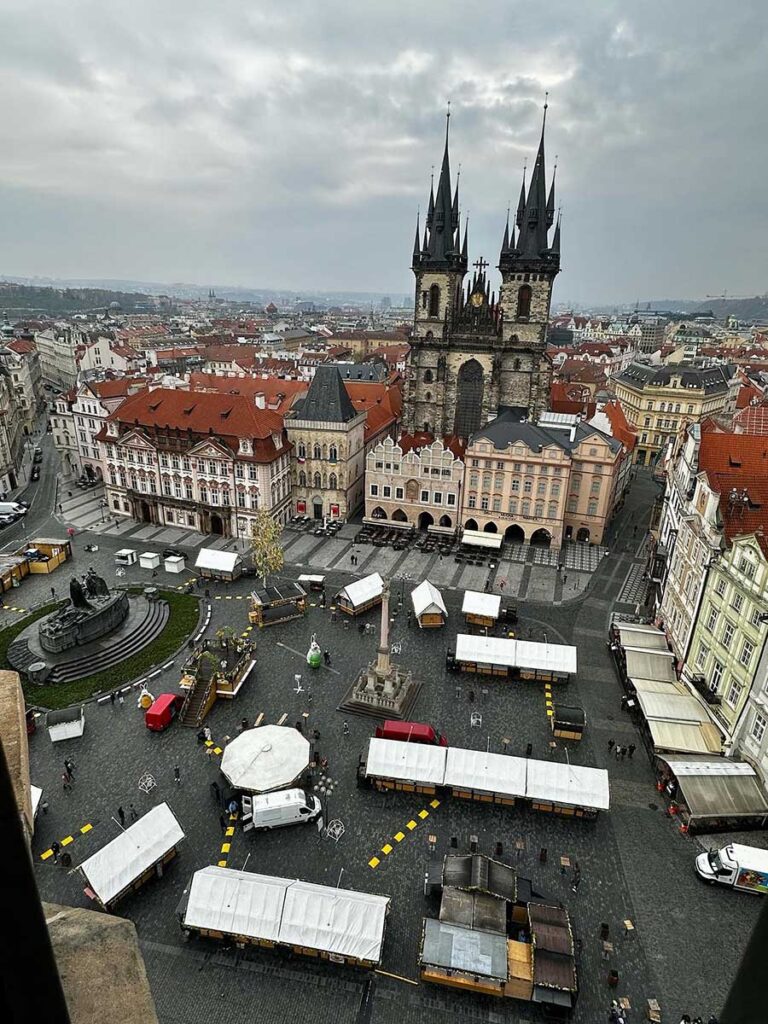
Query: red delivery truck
[[162, 712], [410, 732]]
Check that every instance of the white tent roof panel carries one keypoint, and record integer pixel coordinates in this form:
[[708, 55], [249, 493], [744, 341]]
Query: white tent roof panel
[[480, 539], [394, 759], [709, 768], [364, 590], [476, 603], [525, 654], [489, 773], [270, 757], [671, 707], [489, 650], [568, 784], [685, 737], [427, 598], [546, 657], [217, 561], [115, 866], [651, 665], [642, 639], [236, 902]]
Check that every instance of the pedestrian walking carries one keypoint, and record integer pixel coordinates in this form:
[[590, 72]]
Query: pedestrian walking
[[53, 593], [243, 725], [66, 778], [327, 657], [471, 696], [223, 823], [133, 814], [60, 508], [610, 745], [121, 816], [333, 614], [69, 764], [345, 728], [408, 620], [487, 586], [55, 847], [565, 577], [631, 749], [177, 775], [623, 753], [112, 699], [617, 751], [576, 880], [207, 734], [121, 700]]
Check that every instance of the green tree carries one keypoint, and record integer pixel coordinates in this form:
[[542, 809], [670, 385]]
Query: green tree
[[266, 549]]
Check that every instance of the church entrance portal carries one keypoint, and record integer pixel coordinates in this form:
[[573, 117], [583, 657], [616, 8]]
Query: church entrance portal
[[469, 399]]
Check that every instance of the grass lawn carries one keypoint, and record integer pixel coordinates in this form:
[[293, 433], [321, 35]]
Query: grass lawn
[[184, 613]]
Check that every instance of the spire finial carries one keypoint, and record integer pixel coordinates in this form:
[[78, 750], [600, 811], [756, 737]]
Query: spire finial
[[447, 122], [546, 105]]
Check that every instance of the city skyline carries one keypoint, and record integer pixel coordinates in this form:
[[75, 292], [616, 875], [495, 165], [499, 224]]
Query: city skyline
[[292, 149]]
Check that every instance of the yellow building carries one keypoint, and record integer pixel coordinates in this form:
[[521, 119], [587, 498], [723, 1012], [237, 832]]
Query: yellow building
[[659, 401]]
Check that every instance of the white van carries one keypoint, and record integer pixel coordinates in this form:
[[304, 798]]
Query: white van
[[740, 867], [12, 508], [274, 810]]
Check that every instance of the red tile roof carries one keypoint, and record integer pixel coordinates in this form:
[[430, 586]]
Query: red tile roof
[[422, 438], [581, 370], [620, 428], [21, 345], [561, 401], [383, 401], [752, 420], [277, 392], [117, 387], [738, 462]]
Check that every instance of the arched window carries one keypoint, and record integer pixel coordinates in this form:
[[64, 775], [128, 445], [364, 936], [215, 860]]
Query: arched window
[[428, 378], [428, 396], [333, 454], [427, 428], [317, 452], [332, 481], [318, 482], [302, 479], [516, 365], [302, 450], [524, 301], [325, 451], [469, 399], [434, 300]]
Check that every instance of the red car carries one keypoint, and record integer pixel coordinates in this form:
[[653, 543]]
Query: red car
[[162, 712]]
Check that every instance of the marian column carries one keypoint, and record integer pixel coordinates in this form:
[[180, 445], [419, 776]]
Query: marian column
[[382, 662]]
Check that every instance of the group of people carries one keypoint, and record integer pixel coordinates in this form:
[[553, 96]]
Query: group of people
[[621, 752]]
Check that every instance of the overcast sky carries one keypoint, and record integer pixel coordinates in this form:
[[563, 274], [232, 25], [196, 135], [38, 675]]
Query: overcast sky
[[289, 145]]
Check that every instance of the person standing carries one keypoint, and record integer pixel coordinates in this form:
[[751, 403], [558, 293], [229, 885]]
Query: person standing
[[66, 781], [133, 814], [121, 816], [69, 764], [177, 775], [617, 751], [623, 753], [345, 728], [53, 593], [112, 699], [327, 657], [121, 700], [207, 734], [610, 745], [223, 823], [55, 847], [631, 749]]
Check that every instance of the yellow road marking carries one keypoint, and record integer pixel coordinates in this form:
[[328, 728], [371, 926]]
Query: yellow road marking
[[226, 847], [46, 855], [67, 840], [230, 831], [434, 803], [222, 864], [85, 828], [411, 826], [423, 814], [399, 837], [387, 849], [550, 713], [374, 862], [217, 750]]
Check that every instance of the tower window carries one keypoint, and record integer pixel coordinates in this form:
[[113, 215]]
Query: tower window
[[516, 365], [423, 300], [524, 301], [428, 377], [434, 300]]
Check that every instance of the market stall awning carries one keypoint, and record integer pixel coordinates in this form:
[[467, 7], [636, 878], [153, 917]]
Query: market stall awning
[[217, 561], [333, 920], [485, 772], [642, 639], [523, 654], [568, 784], [658, 686], [409, 762], [115, 866], [478, 539], [362, 591], [265, 759], [452, 947], [546, 657], [487, 650], [650, 665], [487, 605], [685, 737], [671, 707], [719, 788], [427, 598]]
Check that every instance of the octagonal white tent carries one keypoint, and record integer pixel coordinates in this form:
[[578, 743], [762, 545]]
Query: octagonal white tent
[[265, 759]]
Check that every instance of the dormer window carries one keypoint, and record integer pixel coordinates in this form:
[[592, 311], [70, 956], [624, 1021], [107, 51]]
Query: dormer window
[[246, 448]]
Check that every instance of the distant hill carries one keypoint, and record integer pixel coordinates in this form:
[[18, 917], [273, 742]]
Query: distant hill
[[25, 299], [755, 309]]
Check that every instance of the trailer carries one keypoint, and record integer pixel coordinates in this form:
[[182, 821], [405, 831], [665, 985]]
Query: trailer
[[325, 922], [520, 659], [132, 858], [548, 786]]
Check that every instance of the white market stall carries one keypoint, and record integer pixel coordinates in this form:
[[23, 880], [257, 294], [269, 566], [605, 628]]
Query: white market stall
[[175, 563], [265, 759], [480, 539], [149, 560], [66, 724], [481, 609], [361, 595], [524, 659], [218, 565], [133, 857], [428, 606], [553, 786], [335, 924]]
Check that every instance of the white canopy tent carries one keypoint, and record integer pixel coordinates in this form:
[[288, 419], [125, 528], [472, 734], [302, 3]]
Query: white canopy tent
[[265, 759], [488, 650], [114, 867], [522, 654], [217, 561], [409, 762], [362, 591], [485, 772], [487, 605], [546, 657], [336, 921], [479, 539], [567, 784], [427, 599], [66, 724]]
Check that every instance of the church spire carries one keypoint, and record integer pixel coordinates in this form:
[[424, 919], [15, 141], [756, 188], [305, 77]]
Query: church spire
[[556, 236], [505, 240], [464, 248], [441, 248], [551, 200], [521, 203], [416, 243]]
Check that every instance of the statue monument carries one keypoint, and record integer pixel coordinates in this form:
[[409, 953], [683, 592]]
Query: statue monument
[[92, 611]]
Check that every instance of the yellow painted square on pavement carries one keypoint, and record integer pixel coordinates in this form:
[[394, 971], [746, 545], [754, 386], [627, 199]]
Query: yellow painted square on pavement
[[399, 837], [230, 831], [217, 750], [550, 712], [226, 847], [434, 803], [411, 825], [548, 703], [229, 597], [67, 840], [374, 862], [423, 814], [85, 828], [222, 864], [208, 743], [387, 849], [46, 855]]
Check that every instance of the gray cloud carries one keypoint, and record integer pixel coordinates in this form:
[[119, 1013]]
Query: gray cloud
[[291, 145]]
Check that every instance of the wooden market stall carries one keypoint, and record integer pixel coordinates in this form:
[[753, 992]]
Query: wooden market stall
[[280, 602], [45, 556], [213, 564], [325, 922], [481, 609], [521, 659], [136, 855], [568, 723], [358, 597], [428, 606], [13, 569]]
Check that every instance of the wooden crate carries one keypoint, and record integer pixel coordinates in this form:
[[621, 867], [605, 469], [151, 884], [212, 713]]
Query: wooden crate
[[520, 970]]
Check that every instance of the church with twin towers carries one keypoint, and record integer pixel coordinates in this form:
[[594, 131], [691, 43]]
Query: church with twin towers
[[475, 353]]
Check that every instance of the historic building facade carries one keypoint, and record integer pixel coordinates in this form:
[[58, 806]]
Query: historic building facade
[[471, 352], [413, 482]]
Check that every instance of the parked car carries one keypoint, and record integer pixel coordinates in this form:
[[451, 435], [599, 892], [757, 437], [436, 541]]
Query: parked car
[[38, 457], [35, 472], [173, 553]]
